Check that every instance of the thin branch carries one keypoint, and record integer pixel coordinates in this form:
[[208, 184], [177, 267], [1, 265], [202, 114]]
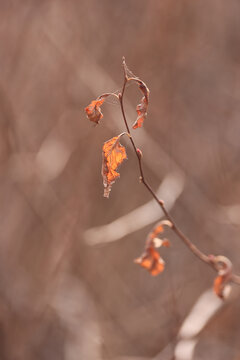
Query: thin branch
[[136, 219], [106, 95], [193, 248]]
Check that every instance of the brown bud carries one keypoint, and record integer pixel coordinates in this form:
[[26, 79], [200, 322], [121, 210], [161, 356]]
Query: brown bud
[[139, 153]]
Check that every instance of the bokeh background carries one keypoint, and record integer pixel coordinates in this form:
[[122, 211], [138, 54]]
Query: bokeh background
[[68, 286]]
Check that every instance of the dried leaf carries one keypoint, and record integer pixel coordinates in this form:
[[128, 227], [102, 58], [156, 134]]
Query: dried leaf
[[219, 286], [166, 243], [159, 228], [113, 155], [151, 260], [142, 107], [224, 267], [93, 110]]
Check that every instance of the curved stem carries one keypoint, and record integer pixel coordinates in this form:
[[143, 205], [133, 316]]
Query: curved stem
[[106, 95]]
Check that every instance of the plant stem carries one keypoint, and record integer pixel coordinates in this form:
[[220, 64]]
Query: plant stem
[[193, 248]]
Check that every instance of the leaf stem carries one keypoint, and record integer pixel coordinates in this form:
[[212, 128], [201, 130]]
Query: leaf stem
[[106, 95]]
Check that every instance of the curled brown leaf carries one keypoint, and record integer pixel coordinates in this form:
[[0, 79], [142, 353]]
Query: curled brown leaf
[[151, 260], [142, 107], [218, 286], [159, 228], [113, 155], [93, 110], [224, 267]]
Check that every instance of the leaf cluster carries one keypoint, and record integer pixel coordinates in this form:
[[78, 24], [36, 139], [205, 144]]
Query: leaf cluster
[[113, 155]]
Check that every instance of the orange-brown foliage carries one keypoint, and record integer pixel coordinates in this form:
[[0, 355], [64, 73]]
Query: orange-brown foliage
[[113, 155]]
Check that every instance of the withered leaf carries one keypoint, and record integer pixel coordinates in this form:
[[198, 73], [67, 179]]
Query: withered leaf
[[166, 243], [159, 228], [142, 107], [151, 260], [113, 155], [218, 286], [224, 267], [93, 110]]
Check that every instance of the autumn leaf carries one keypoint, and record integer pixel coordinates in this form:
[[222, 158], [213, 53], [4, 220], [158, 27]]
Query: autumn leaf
[[224, 267], [93, 110], [158, 229], [113, 155], [218, 286], [151, 260], [142, 107]]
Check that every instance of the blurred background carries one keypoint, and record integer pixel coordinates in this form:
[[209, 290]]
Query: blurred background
[[68, 286]]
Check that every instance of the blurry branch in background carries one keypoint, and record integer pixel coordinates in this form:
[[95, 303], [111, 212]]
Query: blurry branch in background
[[78, 315], [131, 358], [204, 309], [229, 214], [206, 306], [171, 187]]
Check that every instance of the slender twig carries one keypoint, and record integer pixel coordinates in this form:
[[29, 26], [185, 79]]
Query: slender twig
[[107, 94], [193, 248]]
